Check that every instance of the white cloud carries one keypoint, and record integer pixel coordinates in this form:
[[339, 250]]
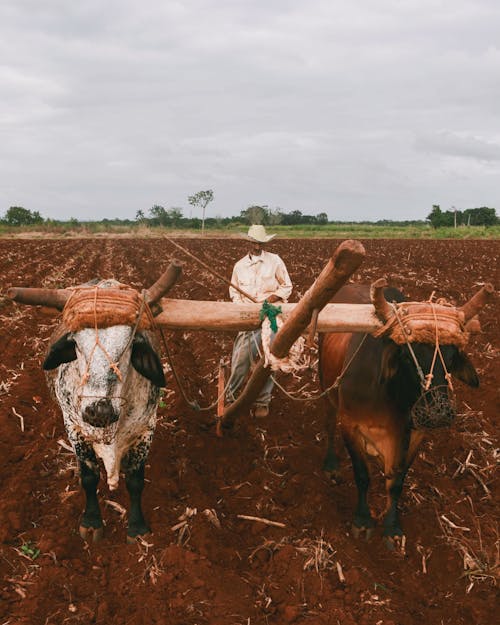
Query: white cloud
[[459, 146]]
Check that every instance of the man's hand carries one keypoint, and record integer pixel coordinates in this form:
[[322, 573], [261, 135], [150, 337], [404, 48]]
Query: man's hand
[[273, 299]]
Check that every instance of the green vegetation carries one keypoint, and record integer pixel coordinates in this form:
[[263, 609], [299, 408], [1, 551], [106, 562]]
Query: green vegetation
[[19, 216], [30, 550], [470, 223], [483, 216]]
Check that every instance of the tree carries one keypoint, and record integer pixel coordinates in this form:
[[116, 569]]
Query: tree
[[275, 216], [140, 216], [435, 216], [159, 215], [255, 215], [321, 219], [293, 218], [19, 216], [174, 215], [483, 216], [201, 199]]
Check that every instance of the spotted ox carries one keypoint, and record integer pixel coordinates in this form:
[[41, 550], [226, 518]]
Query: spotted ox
[[386, 390], [103, 368]]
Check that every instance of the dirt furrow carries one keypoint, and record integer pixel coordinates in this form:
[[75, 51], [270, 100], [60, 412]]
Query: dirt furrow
[[310, 571]]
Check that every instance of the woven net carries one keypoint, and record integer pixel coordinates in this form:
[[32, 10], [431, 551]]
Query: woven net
[[95, 307], [435, 408]]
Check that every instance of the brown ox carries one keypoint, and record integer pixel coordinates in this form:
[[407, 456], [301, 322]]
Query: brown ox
[[379, 386]]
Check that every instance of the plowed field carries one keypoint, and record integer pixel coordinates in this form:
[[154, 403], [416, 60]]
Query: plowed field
[[310, 571]]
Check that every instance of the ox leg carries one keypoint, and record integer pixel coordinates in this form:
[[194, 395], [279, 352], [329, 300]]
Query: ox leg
[[395, 475], [91, 523], [331, 464], [363, 521], [137, 525], [392, 524], [133, 465]]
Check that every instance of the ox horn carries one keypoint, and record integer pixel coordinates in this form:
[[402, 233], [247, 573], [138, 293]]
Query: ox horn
[[164, 283], [382, 307], [53, 298], [477, 301]]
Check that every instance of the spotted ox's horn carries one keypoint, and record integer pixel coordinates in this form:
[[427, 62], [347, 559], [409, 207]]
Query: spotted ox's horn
[[477, 301], [53, 298], [164, 283], [382, 307]]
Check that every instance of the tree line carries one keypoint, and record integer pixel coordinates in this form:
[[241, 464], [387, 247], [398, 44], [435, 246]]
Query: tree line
[[482, 216], [173, 217]]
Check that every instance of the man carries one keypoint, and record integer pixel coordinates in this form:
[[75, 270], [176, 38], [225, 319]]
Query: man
[[263, 276]]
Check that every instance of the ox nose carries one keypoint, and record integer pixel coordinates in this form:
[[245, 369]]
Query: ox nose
[[100, 414]]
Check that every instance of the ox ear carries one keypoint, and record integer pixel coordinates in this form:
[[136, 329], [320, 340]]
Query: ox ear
[[63, 350], [463, 369], [146, 362]]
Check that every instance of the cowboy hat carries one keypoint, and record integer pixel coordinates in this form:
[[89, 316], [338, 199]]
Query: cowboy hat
[[258, 233]]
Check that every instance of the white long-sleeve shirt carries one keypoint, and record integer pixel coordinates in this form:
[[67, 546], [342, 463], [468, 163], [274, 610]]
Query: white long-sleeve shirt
[[260, 276]]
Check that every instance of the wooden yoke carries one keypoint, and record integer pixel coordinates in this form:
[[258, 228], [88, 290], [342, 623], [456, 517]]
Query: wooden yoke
[[343, 263]]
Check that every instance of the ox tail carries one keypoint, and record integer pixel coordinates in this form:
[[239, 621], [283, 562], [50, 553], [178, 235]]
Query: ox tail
[[111, 458]]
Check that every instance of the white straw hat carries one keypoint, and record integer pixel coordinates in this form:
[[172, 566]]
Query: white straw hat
[[258, 233]]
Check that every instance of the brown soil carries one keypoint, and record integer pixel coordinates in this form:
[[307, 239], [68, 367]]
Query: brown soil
[[243, 572]]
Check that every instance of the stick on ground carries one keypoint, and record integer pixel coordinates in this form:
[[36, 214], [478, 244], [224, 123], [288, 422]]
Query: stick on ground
[[260, 520]]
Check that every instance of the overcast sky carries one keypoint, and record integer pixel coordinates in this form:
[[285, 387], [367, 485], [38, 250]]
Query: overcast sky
[[361, 109]]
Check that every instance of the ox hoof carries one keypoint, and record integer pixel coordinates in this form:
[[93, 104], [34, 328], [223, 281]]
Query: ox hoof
[[333, 476], [359, 532], [396, 543], [91, 534]]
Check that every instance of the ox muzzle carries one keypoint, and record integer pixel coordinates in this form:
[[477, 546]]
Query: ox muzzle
[[100, 414], [435, 408]]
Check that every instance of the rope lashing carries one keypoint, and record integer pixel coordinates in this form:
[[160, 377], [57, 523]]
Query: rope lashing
[[419, 322], [271, 312], [91, 306], [294, 360], [97, 307], [437, 327]]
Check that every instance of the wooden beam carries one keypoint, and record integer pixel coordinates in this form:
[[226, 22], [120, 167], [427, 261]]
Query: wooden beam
[[165, 282], [343, 263], [185, 314]]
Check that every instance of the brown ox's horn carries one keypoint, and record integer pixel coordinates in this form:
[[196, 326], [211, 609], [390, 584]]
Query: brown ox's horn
[[382, 307], [164, 283], [53, 298], [477, 301], [473, 326]]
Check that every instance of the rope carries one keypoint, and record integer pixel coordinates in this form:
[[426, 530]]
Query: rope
[[426, 380], [437, 350], [212, 271], [335, 384], [410, 348], [192, 403], [292, 361], [113, 365], [422, 321]]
